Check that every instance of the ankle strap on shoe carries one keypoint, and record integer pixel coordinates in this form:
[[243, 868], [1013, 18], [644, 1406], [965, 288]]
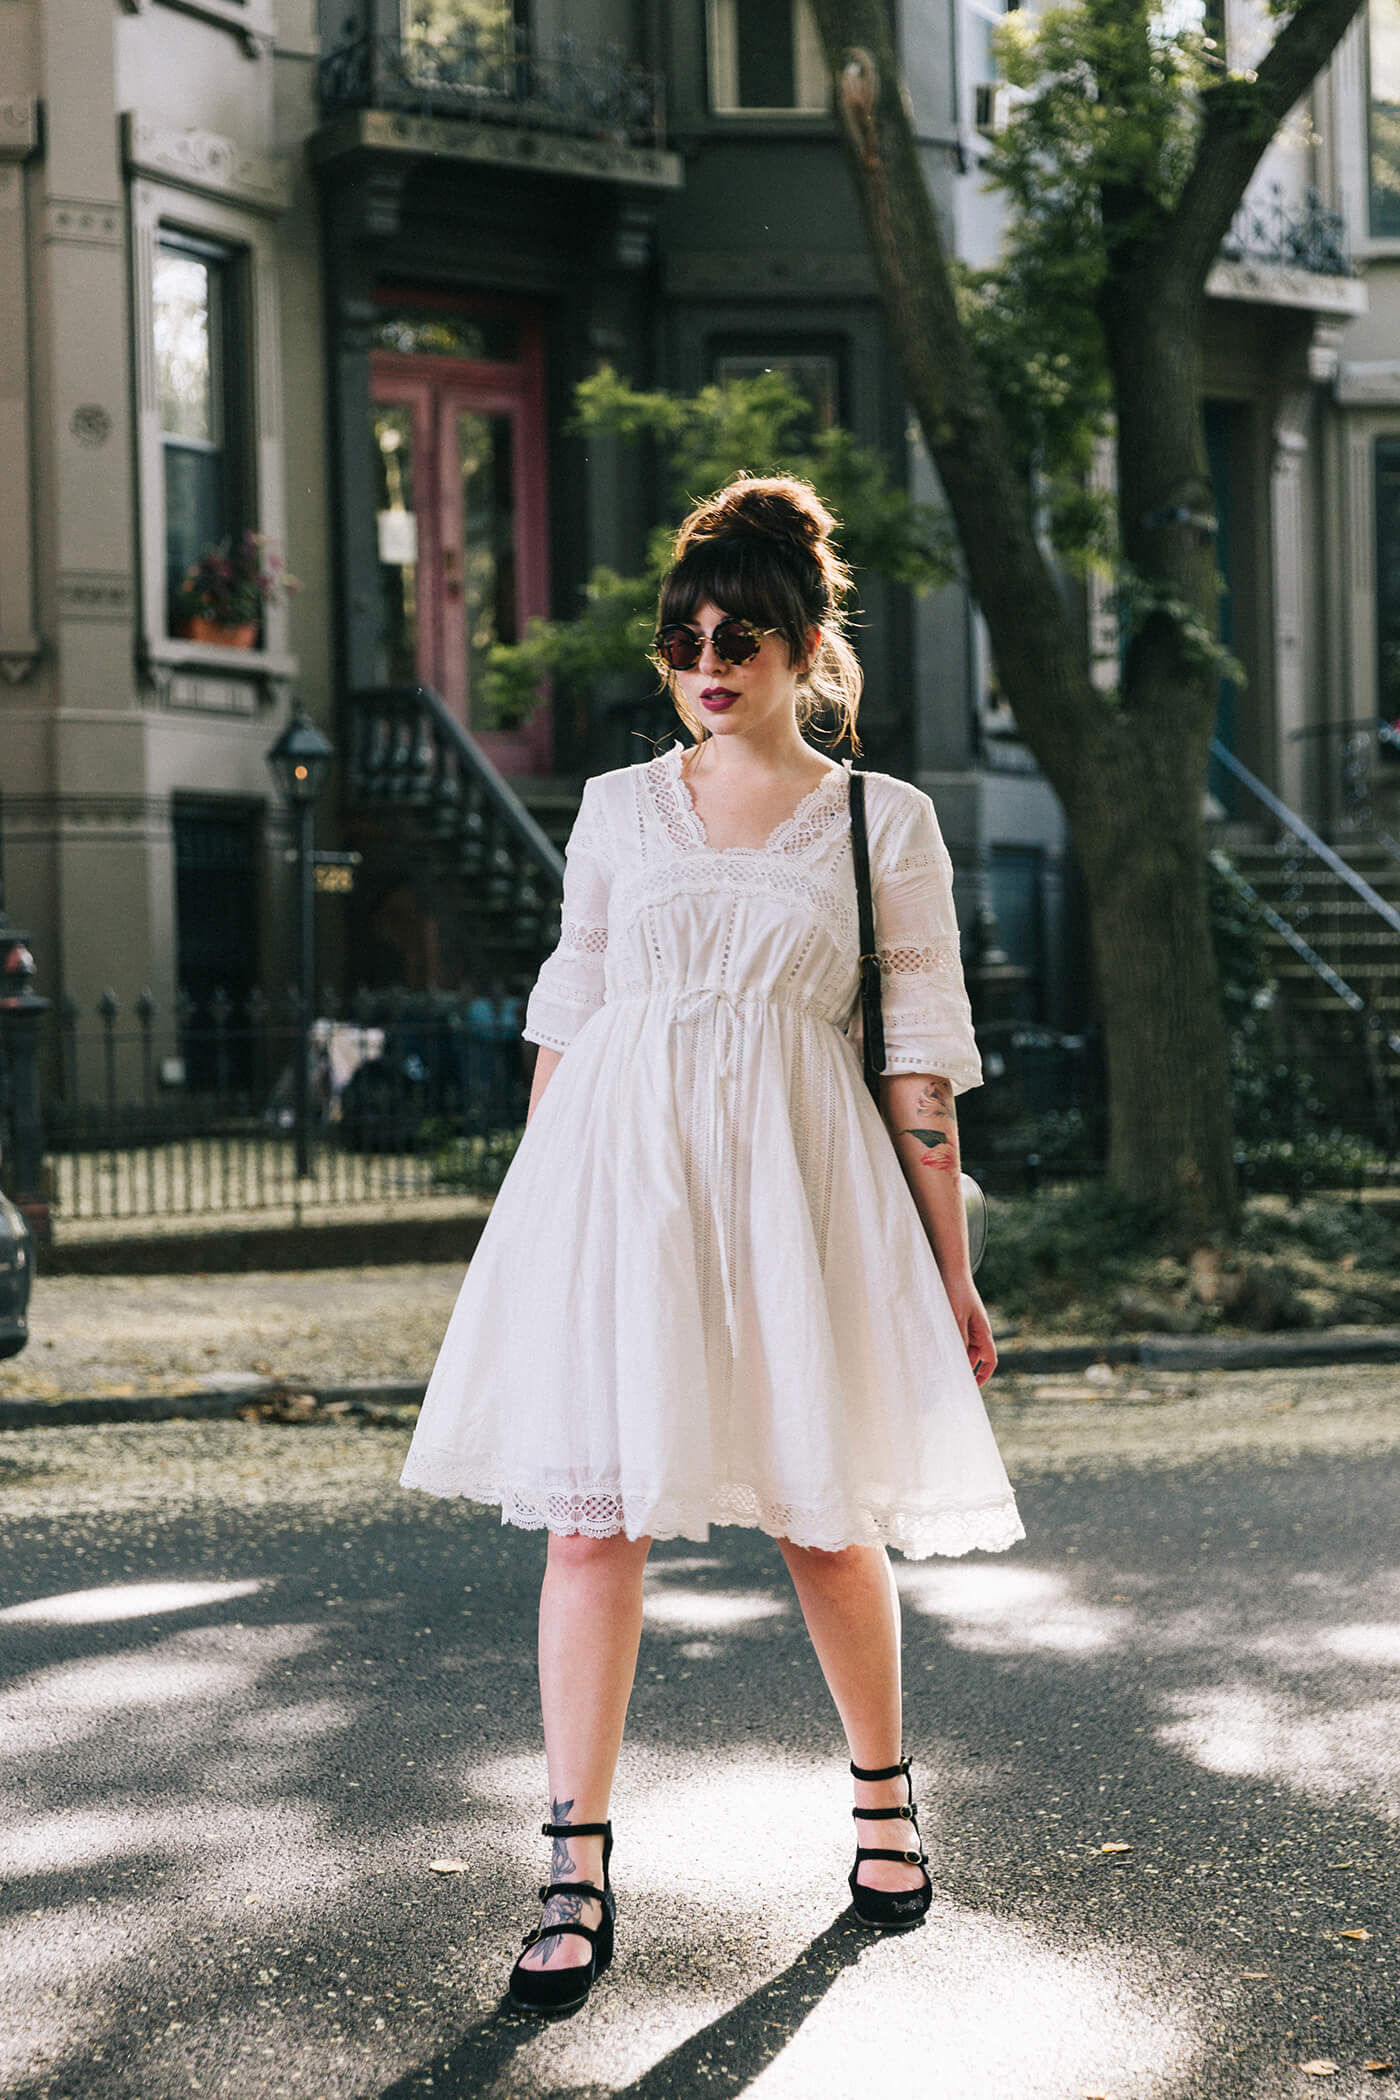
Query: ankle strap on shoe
[[899, 1771], [587, 1889], [908, 1812], [576, 1830]]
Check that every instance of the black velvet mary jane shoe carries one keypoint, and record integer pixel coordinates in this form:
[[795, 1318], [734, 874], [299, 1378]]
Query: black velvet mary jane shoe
[[890, 1910], [553, 1992]]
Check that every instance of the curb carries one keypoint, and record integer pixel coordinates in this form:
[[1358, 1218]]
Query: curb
[[333, 1245], [375, 1400], [1191, 1352]]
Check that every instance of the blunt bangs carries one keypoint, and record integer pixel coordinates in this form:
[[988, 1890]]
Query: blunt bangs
[[750, 579]]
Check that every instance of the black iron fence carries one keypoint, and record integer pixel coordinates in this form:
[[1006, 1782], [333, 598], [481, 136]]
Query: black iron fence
[[1302, 235], [504, 75], [193, 1113]]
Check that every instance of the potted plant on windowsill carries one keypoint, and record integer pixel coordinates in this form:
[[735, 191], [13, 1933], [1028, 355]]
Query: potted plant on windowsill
[[222, 596]]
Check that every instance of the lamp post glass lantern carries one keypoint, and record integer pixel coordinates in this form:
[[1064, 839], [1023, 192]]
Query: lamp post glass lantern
[[300, 761]]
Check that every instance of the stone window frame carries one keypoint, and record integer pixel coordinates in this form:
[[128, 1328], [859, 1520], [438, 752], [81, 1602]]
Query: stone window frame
[[722, 67], [243, 229]]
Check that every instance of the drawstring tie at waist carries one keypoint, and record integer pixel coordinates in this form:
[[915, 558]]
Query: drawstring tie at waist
[[694, 1004]]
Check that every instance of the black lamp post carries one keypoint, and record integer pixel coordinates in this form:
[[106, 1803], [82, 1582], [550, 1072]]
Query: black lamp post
[[301, 763]]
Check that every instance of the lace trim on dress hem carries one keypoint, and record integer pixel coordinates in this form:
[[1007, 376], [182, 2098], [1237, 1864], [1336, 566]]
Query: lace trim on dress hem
[[604, 1512]]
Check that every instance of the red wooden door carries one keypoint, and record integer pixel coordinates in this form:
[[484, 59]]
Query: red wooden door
[[463, 529]]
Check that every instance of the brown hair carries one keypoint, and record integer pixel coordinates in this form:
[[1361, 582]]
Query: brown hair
[[761, 550]]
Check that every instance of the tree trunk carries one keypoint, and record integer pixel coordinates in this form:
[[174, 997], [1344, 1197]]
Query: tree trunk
[[1130, 774], [1138, 832]]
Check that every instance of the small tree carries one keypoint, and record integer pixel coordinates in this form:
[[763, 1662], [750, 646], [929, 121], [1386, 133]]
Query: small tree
[[761, 425], [1123, 165]]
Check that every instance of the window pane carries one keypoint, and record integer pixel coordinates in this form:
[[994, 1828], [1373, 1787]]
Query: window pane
[[813, 373], [487, 24], [763, 37], [484, 446], [184, 329], [196, 506], [397, 522], [1385, 116], [1388, 576], [491, 336]]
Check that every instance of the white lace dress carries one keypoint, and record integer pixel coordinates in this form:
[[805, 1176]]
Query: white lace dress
[[704, 1294]]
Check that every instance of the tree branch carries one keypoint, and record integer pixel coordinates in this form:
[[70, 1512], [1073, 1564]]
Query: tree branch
[[1039, 651], [1241, 118]]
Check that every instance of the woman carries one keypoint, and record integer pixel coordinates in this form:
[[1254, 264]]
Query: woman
[[704, 1294]]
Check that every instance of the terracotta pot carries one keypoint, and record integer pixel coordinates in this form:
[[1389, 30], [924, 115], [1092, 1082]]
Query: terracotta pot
[[241, 636]]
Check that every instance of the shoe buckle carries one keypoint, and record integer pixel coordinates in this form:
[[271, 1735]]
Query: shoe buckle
[[914, 1859], [906, 1815]]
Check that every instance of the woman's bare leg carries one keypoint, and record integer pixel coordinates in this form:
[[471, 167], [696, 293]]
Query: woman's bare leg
[[590, 1628], [851, 1607]]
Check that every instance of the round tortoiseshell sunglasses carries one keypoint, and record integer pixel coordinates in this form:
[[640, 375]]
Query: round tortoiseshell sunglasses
[[680, 648]]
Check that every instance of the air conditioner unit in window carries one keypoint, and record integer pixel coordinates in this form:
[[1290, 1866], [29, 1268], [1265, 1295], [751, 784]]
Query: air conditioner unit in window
[[992, 100]]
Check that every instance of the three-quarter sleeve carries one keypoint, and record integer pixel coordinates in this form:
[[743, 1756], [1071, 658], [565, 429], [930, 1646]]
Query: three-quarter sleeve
[[570, 984], [927, 1015]]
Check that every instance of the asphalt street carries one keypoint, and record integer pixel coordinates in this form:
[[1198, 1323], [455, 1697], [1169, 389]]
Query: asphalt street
[[252, 1692]]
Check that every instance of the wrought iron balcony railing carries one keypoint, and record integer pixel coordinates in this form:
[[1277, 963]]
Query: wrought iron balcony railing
[[1306, 236], [584, 91]]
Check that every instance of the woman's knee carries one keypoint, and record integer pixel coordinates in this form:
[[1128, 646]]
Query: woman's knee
[[574, 1553], [829, 1564]]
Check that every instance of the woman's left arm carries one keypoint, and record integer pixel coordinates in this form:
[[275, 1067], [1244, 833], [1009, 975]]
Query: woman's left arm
[[930, 1044], [922, 1120]]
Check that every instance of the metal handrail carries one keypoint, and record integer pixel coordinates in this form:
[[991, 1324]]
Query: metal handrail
[[1306, 836], [406, 701], [1289, 933]]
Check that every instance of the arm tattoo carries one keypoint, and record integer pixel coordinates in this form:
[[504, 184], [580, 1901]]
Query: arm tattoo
[[935, 1102]]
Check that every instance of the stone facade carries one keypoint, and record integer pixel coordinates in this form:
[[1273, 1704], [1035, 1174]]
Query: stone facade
[[727, 235]]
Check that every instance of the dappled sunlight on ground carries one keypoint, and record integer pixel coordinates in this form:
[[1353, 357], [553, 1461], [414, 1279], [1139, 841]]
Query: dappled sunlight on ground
[[1378, 1645], [1002, 1610], [1326, 1747], [127, 1600], [985, 2010], [691, 1611], [234, 1758]]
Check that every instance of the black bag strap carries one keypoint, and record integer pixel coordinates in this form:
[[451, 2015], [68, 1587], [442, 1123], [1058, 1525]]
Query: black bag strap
[[872, 1019]]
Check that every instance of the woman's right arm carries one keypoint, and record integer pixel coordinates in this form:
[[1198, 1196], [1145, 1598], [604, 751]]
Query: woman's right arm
[[545, 1063], [570, 986]]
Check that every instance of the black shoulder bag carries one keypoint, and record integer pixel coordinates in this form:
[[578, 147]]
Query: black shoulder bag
[[872, 1018]]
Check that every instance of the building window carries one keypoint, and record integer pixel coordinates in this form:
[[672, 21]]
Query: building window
[[814, 372], [766, 59], [485, 337], [1388, 577], [1385, 117], [195, 306]]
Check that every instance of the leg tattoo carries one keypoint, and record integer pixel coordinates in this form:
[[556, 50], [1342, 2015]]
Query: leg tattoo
[[560, 1910]]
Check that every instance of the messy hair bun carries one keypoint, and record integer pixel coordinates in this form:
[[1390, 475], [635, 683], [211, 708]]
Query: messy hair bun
[[761, 549]]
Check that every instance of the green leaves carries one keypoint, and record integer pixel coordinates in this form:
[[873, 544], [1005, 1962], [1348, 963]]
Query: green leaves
[[762, 425]]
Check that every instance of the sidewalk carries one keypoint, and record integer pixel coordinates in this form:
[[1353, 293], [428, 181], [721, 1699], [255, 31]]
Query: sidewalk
[[144, 1348]]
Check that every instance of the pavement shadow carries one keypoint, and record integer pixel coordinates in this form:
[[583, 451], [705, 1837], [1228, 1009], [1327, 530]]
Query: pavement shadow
[[1158, 1757], [722, 2058]]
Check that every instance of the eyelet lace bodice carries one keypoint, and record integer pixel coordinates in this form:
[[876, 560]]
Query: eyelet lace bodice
[[651, 907]]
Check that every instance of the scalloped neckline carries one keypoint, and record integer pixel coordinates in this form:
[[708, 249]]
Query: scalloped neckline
[[774, 841]]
